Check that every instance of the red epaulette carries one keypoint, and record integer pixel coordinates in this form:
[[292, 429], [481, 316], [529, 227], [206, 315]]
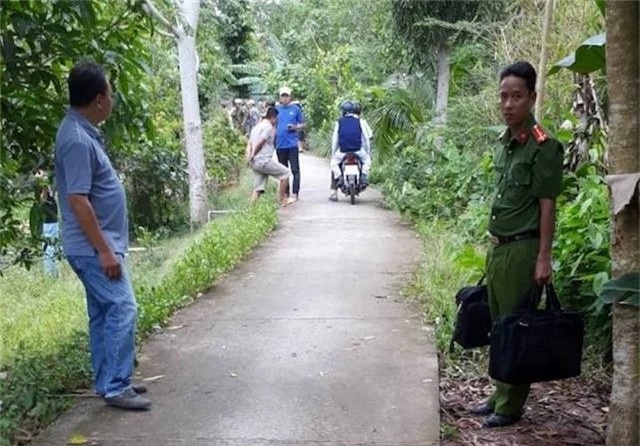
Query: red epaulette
[[538, 134]]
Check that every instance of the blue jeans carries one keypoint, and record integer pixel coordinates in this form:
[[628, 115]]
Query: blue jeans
[[112, 324], [51, 233]]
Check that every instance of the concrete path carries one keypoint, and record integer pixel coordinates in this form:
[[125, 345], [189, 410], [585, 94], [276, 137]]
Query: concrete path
[[307, 343]]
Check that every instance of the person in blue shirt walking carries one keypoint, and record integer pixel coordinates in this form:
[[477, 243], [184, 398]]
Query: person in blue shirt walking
[[348, 137], [290, 122]]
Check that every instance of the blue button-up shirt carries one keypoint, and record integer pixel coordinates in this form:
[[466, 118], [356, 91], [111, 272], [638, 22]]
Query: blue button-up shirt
[[82, 167]]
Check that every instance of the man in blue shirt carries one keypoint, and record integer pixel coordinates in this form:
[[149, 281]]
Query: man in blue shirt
[[95, 235], [290, 122]]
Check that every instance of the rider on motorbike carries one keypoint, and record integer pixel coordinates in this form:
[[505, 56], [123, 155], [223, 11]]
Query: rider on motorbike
[[348, 137]]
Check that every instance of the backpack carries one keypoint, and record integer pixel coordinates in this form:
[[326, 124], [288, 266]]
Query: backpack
[[473, 318]]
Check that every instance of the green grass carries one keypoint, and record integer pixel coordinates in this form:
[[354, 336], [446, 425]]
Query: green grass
[[43, 324], [448, 264], [38, 312]]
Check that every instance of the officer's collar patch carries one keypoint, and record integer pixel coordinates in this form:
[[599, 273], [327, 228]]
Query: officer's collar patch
[[539, 134]]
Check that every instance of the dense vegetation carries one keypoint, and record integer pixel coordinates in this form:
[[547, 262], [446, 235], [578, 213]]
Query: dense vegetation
[[437, 174]]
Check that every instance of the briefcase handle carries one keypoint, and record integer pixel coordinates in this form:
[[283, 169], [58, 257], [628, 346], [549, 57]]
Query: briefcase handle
[[532, 298]]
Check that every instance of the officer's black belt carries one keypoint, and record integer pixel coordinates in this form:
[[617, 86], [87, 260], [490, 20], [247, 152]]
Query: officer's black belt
[[499, 240]]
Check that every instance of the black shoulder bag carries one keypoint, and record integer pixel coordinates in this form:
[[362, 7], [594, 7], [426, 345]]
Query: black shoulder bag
[[534, 345], [473, 319]]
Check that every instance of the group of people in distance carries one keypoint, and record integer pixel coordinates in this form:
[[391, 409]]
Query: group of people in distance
[[281, 130]]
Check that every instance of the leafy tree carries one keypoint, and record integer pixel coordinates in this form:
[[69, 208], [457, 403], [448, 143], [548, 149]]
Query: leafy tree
[[432, 27], [184, 29], [236, 36], [41, 41]]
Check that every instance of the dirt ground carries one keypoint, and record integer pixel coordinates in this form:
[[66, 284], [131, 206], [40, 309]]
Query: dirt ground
[[570, 412]]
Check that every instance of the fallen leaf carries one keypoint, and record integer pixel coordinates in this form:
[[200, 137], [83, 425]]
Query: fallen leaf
[[153, 378], [76, 439]]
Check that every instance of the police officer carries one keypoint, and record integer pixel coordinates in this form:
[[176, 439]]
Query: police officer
[[528, 172]]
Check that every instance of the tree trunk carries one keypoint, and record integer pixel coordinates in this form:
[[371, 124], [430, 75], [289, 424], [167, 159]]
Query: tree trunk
[[542, 68], [442, 90], [622, 18], [187, 55]]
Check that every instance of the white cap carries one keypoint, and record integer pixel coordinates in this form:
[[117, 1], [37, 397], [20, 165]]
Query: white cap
[[285, 90]]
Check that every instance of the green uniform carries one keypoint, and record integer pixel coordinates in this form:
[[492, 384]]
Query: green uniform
[[528, 166]]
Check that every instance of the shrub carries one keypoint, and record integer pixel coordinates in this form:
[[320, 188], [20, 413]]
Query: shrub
[[224, 149]]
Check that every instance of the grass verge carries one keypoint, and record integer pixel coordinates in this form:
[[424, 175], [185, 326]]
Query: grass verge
[[43, 340]]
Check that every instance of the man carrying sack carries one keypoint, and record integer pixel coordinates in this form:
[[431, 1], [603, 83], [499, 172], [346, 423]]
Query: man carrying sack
[[528, 172]]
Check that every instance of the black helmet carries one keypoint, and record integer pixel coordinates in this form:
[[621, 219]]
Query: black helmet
[[347, 107], [357, 108]]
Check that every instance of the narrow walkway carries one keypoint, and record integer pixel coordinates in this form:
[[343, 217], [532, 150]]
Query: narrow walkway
[[306, 343]]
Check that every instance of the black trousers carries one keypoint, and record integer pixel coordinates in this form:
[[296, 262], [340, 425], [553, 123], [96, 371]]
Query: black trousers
[[290, 157]]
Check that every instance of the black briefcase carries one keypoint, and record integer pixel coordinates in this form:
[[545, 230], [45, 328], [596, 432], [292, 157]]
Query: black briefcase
[[535, 345], [473, 319]]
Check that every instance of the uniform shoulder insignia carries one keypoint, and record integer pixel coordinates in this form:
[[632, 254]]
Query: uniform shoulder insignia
[[539, 134]]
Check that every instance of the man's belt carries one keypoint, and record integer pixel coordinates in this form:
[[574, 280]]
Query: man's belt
[[499, 240]]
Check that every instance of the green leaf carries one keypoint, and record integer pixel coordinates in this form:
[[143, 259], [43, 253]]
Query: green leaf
[[36, 219], [600, 5], [625, 289], [589, 57]]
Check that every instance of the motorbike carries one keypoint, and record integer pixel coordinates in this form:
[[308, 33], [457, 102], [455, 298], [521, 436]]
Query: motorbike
[[351, 168]]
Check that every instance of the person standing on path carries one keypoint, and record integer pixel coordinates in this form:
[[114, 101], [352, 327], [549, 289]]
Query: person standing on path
[[290, 122], [262, 162], [95, 235], [50, 228], [528, 165], [253, 117], [238, 115], [302, 136]]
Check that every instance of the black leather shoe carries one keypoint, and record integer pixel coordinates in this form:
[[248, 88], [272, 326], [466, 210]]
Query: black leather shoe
[[499, 420], [482, 410]]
